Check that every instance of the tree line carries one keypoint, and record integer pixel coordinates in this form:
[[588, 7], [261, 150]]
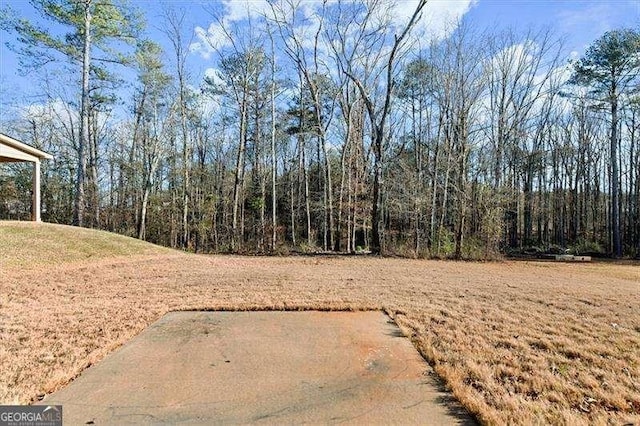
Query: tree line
[[337, 128]]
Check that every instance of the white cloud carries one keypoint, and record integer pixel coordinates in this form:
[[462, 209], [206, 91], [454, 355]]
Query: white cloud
[[520, 55], [214, 75], [439, 17], [208, 103], [209, 40], [235, 11], [54, 109]]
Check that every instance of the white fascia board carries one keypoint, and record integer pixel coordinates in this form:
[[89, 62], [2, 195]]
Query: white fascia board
[[11, 152]]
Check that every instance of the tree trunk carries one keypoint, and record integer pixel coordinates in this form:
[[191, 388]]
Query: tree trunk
[[615, 205], [376, 237], [239, 173], [93, 167], [81, 172], [273, 149]]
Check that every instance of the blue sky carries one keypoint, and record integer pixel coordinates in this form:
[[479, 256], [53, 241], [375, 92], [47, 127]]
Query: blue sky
[[580, 22]]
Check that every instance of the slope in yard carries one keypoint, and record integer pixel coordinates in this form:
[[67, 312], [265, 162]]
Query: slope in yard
[[40, 244], [517, 342]]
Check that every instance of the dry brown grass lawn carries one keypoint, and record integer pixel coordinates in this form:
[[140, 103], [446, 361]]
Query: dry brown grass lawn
[[517, 342]]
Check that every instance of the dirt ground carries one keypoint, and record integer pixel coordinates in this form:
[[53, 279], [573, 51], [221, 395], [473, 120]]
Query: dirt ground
[[516, 342]]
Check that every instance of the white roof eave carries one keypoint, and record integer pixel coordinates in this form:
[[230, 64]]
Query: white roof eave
[[17, 145]]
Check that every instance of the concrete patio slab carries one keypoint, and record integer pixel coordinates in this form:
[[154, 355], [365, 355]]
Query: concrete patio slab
[[262, 367]]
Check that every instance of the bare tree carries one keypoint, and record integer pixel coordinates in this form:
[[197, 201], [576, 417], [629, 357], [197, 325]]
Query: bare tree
[[174, 30], [378, 113], [312, 68]]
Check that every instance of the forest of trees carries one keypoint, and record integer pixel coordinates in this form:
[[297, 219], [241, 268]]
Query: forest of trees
[[336, 128]]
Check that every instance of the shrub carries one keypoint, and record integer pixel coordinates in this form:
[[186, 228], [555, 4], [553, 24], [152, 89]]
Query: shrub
[[583, 246], [444, 244]]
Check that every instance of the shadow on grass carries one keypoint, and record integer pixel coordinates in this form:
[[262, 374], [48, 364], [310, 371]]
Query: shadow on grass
[[454, 408]]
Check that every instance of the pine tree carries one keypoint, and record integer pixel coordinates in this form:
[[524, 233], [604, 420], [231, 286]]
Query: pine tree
[[92, 28], [610, 68]]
